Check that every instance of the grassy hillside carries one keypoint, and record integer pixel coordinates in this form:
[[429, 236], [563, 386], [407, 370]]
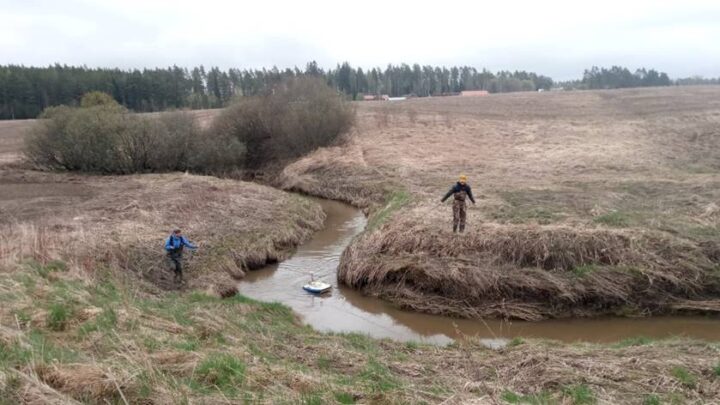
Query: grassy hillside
[[66, 338]]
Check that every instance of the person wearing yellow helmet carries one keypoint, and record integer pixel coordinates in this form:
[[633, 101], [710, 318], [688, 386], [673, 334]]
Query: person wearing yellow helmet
[[460, 191]]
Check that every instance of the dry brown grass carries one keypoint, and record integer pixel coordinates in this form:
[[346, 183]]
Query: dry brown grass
[[12, 139], [121, 222], [620, 185], [83, 381]]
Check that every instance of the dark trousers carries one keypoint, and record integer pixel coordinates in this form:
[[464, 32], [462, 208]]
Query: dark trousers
[[175, 263], [459, 215]]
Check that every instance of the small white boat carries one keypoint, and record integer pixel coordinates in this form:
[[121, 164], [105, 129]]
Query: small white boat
[[317, 287]]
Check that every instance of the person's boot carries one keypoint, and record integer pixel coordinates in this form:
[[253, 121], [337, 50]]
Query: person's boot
[[462, 228], [454, 228]]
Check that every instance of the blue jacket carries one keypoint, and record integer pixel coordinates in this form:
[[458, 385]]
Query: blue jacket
[[173, 243], [458, 188]]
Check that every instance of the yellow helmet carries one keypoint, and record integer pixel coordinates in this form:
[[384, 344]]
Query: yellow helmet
[[463, 178]]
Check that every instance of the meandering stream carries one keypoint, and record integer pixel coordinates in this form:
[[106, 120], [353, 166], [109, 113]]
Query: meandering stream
[[346, 310]]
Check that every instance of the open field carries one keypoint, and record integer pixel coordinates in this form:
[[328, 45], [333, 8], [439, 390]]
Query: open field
[[83, 320], [12, 135], [588, 202]]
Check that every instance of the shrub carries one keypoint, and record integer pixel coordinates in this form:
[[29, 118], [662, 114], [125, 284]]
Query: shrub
[[296, 117], [109, 139]]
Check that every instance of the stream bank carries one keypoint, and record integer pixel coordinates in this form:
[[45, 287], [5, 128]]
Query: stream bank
[[348, 310]]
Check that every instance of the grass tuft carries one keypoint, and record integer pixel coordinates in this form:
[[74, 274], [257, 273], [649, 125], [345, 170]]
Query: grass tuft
[[615, 219], [580, 394], [223, 371], [684, 376], [634, 341], [394, 202], [651, 399], [344, 398], [516, 341], [542, 398], [58, 316], [378, 377], [582, 271]]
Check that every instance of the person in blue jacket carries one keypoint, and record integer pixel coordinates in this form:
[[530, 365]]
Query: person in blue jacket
[[174, 246]]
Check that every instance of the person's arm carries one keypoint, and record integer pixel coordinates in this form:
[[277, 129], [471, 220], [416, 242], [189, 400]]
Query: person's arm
[[449, 193], [188, 243], [470, 195], [168, 245]]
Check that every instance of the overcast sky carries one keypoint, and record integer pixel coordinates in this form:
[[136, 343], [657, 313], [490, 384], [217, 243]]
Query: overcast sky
[[556, 38]]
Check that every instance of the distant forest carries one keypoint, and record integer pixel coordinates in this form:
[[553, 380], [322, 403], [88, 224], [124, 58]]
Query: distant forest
[[26, 91]]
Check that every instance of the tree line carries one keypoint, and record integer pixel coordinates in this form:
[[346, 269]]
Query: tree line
[[26, 91], [618, 77]]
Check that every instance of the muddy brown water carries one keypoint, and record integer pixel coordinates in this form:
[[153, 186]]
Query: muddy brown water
[[346, 310]]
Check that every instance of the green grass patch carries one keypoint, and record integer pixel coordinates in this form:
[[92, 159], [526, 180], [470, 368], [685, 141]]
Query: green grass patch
[[189, 345], [323, 363], [225, 372], [150, 343], [360, 342], [44, 270], [344, 398], [615, 219], [716, 370], [105, 292], [517, 215], [105, 321], [542, 398], [378, 377], [584, 270], [58, 316], [197, 297], [393, 203], [312, 399], [703, 232], [36, 347], [23, 317], [580, 394], [684, 376], [633, 341], [516, 341], [651, 399]]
